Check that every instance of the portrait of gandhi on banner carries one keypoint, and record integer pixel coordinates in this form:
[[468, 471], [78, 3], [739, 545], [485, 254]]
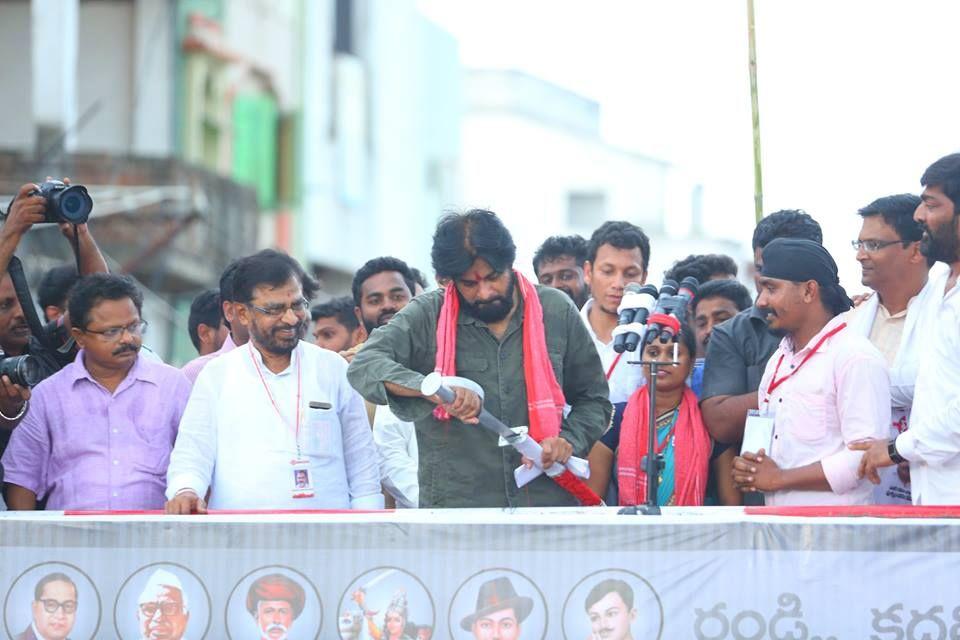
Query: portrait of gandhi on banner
[[498, 604], [51, 601]]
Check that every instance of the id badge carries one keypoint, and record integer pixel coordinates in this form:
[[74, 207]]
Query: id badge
[[757, 433], [302, 479]]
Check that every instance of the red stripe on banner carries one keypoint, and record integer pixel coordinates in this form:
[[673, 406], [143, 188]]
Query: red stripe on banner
[[865, 511], [228, 512]]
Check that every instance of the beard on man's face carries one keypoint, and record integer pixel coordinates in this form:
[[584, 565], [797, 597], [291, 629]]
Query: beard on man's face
[[492, 310], [941, 244], [280, 339], [383, 317]]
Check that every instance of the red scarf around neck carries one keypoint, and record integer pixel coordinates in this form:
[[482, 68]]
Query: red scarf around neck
[[691, 456], [545, 399]]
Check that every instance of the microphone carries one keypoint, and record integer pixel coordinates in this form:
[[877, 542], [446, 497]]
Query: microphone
[[689, 287], [668, 292], [635, 306]]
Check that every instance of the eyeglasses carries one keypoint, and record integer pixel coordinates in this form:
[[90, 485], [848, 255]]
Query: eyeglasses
[[871, 246], [279, 310], [149, 609], [51, 605], [113, 333]]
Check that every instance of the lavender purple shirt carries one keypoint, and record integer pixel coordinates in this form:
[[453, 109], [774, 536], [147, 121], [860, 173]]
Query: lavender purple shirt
[[193, 368], [86, 448]]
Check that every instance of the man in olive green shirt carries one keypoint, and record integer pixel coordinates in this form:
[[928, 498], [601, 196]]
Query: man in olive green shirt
[[461, 464]]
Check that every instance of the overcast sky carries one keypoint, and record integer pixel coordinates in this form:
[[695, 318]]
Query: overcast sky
[[856, 97]]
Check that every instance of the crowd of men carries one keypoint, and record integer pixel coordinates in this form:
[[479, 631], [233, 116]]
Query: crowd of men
[[792, 396]]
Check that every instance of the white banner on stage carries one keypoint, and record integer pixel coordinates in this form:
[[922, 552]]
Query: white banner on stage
[[571, 574]]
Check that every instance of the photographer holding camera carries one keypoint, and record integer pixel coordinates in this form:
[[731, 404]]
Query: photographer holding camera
[[53, 202]]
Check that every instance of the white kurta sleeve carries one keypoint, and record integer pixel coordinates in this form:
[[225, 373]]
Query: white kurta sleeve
[[195, 451], [359, 451]]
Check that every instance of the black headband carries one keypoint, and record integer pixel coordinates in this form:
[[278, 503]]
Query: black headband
[[799, 260]]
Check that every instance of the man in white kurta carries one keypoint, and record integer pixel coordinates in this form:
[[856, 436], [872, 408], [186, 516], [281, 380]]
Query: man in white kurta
[[897, 319], [273, 424], [932, 443]]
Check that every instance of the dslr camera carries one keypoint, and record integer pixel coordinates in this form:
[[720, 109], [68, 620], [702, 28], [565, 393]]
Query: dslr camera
[[65, 203], [25, 371]]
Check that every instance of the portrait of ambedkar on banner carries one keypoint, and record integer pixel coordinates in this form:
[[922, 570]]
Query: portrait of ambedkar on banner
[[54, 609]]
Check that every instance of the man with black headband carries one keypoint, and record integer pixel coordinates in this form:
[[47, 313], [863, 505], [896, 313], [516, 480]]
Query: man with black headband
[[482, 327], [932, 443], [825, 387]]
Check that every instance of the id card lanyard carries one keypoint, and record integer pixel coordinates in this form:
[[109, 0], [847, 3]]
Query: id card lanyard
[[775, 383], [296, 430]]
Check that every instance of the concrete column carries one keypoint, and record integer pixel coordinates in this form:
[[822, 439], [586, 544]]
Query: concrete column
[[54, 27]]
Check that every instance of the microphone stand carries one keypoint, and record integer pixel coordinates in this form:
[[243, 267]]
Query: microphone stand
[[653, 462]]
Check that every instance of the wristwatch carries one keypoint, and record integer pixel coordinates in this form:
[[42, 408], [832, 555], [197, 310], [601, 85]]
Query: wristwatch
[[892, 452]]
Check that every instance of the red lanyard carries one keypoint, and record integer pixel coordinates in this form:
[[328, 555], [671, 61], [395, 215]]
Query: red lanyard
[[774, 383], [614, 365], [296, 433]]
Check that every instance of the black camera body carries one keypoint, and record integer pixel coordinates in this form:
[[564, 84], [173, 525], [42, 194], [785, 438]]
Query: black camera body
[[65, 203]]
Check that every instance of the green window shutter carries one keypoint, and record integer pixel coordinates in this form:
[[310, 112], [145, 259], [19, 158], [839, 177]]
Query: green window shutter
[[255, 120]]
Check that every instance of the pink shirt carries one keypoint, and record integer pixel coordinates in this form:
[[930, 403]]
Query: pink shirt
[[840, 394], [87, 448], [193, 368]]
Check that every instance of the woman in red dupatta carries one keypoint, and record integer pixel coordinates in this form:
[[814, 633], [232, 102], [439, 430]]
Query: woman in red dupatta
[[682, 438]]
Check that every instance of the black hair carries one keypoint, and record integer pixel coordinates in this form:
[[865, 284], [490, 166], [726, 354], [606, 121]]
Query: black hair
[[945, 174], [729, 289], [787, 223], [835, 299], [342, 309], [205, 309], [461, 238], [92, 289], [610, 585], [701, 267], [55, 286], [558, 246], [53, 577], [379, 265], [226, 281], [897, 211], [268, 267], [621, 235], [419, 278]]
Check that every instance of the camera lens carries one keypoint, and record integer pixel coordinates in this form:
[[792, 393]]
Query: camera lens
[[75, 204], [22, 370]]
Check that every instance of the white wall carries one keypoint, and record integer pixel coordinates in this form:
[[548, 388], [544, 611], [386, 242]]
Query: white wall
[[524, 172], [264, 32], [410, 93], [105, 75], [16, 86]]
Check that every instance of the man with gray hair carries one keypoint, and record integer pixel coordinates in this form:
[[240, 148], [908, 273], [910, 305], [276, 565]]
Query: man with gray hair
[[163, 611]]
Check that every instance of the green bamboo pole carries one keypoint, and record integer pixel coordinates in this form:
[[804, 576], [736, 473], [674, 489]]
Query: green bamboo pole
[[755, 108]]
